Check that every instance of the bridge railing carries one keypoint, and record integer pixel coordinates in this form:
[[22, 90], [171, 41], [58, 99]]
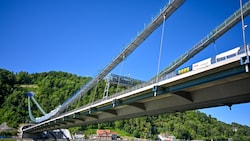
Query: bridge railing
[[241, 51], [113, 96], [168, 76]]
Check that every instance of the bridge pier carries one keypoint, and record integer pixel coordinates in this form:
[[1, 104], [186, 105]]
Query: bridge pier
[[25, 135], [34, 136], [52, 134]]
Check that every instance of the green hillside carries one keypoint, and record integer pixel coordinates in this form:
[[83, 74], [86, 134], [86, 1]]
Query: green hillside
[[53, 88]]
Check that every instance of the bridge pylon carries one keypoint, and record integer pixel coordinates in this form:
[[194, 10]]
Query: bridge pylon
[[30, 95]]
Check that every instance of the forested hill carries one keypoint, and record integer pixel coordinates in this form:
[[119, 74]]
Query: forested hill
[[53, 88]]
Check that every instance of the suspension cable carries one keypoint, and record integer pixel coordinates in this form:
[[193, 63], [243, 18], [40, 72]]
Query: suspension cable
[[94, 93], [78, 101], [243, 27], [160, 52], [119, 77], [215, 49]]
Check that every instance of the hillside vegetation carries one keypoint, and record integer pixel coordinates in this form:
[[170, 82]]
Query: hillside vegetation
[[53, 88]]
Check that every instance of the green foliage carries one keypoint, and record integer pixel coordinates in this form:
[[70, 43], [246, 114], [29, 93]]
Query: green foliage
[[23, 78], [53, 88], [8, 133], [7, 81]]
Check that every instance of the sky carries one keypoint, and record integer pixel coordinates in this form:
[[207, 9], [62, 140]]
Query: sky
[[82, 36]]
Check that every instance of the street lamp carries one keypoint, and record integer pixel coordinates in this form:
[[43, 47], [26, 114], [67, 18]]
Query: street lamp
[[244, 60]]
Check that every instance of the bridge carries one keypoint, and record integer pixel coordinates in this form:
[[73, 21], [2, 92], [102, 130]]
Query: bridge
[[216, 81], [225, 82]]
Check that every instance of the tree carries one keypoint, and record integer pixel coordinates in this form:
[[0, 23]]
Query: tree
[[23, 78], [14, 109], [119, 124], [7, 81], [53, 88]]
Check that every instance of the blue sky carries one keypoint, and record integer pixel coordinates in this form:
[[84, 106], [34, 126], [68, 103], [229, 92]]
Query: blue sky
[[82, 37]]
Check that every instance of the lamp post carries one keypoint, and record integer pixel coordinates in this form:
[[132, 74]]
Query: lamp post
[[244, 60], [243, 27]]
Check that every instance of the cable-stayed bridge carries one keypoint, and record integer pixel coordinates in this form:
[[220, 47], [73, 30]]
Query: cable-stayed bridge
[[198, 88]]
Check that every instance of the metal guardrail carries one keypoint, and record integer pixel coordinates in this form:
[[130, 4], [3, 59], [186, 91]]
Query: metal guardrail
[[139, 86]]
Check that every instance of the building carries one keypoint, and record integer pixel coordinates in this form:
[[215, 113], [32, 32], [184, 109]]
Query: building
[[106, 135]]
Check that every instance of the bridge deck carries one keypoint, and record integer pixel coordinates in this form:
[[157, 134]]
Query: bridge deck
[[223, 83]]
